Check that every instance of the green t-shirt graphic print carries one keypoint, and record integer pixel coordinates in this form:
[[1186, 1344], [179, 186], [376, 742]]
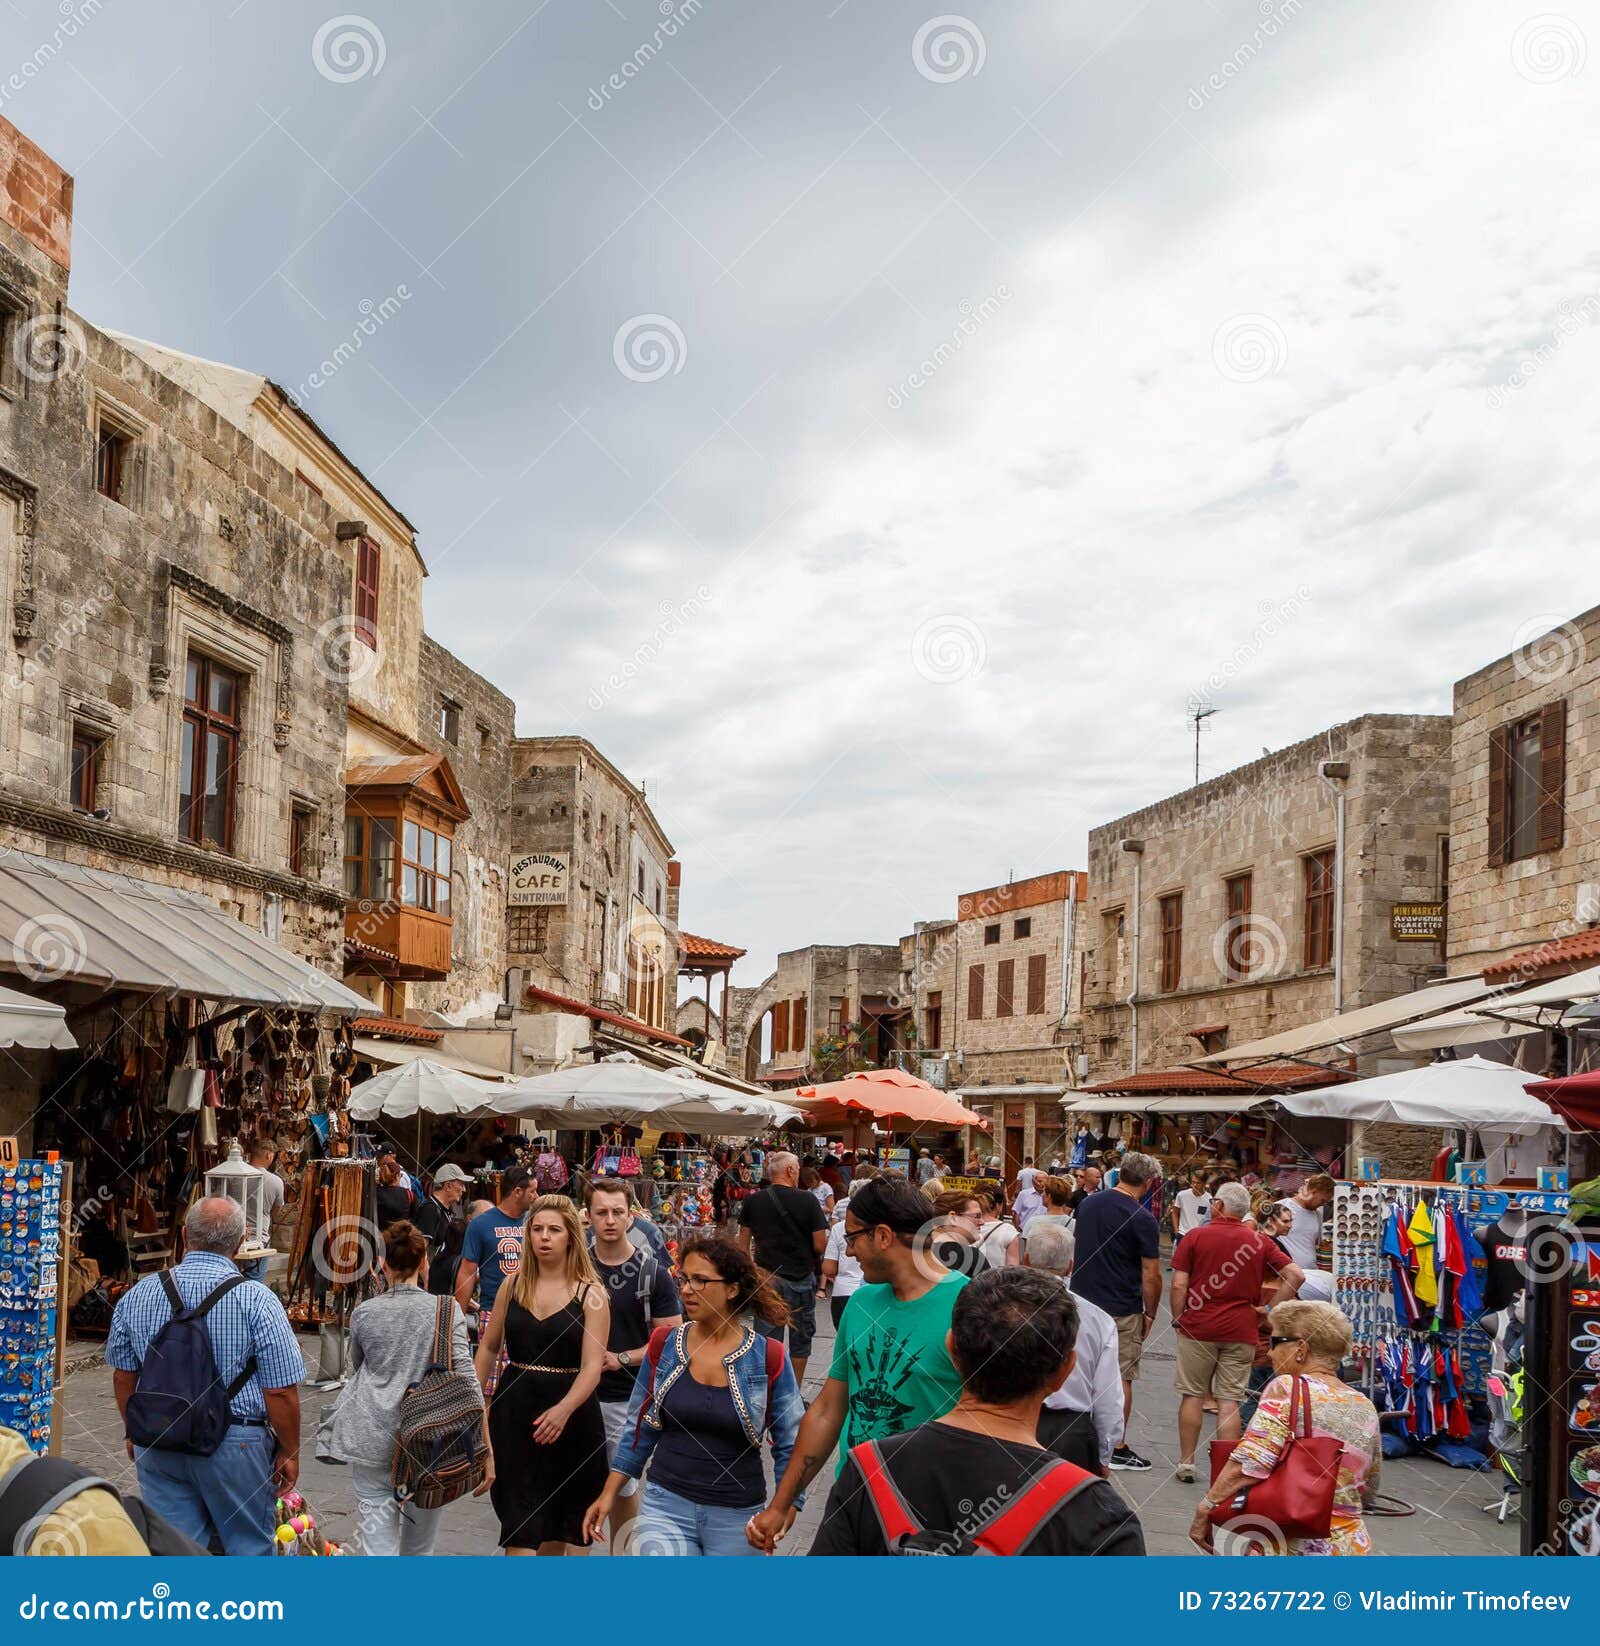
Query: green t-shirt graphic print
[[891, 1357]]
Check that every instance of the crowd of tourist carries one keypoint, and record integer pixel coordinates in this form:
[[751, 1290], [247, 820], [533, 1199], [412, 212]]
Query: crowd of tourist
[[987, 1340]]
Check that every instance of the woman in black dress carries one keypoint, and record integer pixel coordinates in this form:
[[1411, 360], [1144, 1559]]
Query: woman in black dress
[[547, 1440]]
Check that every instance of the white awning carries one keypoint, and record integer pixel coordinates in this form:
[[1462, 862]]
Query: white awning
[[1502, 1017], [1362, 1020], [35, 1025], [1110, 1103], [392, 1054], [1468, 1092], [1207, 1105], [80, 925]]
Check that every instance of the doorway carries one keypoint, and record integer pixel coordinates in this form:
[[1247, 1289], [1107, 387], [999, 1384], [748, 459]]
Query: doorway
[[1013, 1154]]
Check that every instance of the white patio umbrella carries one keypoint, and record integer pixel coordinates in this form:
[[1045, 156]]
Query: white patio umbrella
[[419, 1088], [621, 1091], [1470, 1092]]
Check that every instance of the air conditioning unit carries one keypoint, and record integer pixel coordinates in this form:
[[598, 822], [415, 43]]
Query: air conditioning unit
[[1082, 1065], [1587, 912]]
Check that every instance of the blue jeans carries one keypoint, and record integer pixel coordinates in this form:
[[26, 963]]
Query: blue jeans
[[672, 1525], [801, 1296], [229, 1493]]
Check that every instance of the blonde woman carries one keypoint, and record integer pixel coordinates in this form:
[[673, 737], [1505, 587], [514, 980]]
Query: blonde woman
[[547, 1438], [1308, 1340]]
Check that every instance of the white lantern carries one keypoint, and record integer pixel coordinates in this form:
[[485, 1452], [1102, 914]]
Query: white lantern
[[237, 1180]]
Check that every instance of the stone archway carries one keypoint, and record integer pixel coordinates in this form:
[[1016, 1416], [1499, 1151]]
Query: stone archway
[[746, 1008]]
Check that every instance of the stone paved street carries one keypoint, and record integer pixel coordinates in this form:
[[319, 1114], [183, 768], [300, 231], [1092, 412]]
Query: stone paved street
[[1449, 1518]]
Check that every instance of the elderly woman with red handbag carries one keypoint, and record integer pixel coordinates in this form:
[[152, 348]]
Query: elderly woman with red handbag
[[1298, 1480]]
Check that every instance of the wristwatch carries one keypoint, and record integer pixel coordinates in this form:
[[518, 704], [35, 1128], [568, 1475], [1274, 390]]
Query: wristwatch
[[624, 1359]]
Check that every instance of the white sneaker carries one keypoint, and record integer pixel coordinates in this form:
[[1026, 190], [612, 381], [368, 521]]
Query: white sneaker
[[1186, 1473]]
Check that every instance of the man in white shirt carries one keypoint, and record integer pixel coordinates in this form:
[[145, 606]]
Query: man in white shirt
[[1190, 1207], [1094, 1384], [1301, 1238]]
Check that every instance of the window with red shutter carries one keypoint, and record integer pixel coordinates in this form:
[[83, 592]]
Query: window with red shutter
[[367, 573], [1005, 984], [1036, 963], [1171, 907], [1499, 745], [1319, 908], [797, 1025], [1552, 775], [780, 1027], [1237, 955], [974, 993]]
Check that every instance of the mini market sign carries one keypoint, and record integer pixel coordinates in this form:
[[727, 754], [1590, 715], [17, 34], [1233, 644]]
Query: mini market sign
[[538, 880]]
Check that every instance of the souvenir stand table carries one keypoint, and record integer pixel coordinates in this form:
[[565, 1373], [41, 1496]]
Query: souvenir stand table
[[32, 1263]]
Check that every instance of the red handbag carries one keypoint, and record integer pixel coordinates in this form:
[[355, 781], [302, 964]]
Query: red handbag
[[1296, 1499]]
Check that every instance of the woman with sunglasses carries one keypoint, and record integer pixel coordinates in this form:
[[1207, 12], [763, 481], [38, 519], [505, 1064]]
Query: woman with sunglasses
[[707, 1394], [1310, 1341]]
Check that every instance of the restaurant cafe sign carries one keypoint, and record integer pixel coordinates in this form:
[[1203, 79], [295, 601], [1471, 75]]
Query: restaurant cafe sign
[[539, 880]]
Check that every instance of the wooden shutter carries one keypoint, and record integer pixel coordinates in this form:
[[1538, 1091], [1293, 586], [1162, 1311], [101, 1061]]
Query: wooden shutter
[[1005, 985], [780, 1027], [974, 993], [1552, 775], [1499, 739], [1035, 984], [367, 571], [797, 1025]]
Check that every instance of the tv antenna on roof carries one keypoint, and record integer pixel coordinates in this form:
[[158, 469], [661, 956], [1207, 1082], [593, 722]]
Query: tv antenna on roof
[[1201, 711]]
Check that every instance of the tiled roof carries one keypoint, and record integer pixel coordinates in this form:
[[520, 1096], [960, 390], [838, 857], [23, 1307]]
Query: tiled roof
[[598, 1014], [1201, 1082], [368, 951], [704, 948], [1206, 1028], [1560, 954], [391, 1028]]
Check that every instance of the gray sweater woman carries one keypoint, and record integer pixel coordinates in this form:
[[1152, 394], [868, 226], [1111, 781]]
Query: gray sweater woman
[[391, 1345]]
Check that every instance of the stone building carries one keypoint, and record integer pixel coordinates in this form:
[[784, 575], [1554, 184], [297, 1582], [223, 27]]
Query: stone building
[[166, 583], [927, 987], [825, 1010], [593, 916]]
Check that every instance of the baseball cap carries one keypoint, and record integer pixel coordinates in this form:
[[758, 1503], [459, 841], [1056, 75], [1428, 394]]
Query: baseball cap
[[451, 1174]]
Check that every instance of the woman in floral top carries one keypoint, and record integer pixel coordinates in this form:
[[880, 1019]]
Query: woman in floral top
[[1309, 1340]]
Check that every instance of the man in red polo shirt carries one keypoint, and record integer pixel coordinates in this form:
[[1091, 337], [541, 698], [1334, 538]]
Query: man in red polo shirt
[[1218, 1271]]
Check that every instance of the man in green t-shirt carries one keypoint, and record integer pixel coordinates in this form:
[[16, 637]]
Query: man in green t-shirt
[[891, 1369]]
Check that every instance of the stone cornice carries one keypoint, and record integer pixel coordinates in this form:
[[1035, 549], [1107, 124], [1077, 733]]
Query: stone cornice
[[77, 830]]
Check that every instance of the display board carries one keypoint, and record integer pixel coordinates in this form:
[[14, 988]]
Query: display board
[[30, 1259]]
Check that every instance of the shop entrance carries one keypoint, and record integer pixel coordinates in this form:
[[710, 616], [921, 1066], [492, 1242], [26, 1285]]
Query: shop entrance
[[1013, 1152]]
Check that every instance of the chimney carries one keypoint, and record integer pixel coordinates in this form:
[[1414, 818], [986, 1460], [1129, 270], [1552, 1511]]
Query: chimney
[[35, 196]]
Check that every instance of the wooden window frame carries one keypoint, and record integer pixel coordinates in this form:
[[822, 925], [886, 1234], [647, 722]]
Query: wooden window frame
[[1022, 927], [1038, 970], [114, 445], [1543, 829], [1005, 988], [206, 723], [429, 876], [975, 993], [797, 1025], [933, 1019], [991, 934], [1170, 908], [1237, 963], [302, 840], [369, 584], [93, 767], [449, 724], [1320, 872], [780, 1027]]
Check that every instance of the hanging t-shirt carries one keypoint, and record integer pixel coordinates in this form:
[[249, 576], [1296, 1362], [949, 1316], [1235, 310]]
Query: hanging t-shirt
[[892, 1360], [1506, 1254]]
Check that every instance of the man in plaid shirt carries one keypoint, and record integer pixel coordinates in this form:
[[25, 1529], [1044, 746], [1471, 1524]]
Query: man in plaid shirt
[[231, 1494]]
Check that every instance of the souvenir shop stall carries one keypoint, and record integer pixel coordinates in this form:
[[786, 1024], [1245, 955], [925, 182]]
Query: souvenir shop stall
[[1423, 1269], [31, 1265]]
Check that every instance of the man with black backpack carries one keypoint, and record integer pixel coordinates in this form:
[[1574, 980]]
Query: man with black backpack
[[207, 1372]]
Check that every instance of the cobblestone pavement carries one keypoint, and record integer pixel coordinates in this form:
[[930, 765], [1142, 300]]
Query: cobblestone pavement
[[1450, 1518]]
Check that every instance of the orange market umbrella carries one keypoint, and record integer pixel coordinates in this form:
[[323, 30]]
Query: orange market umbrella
[[881, 1094]]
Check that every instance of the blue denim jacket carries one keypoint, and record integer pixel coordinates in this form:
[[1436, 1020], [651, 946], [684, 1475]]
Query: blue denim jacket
[[747, 1382]]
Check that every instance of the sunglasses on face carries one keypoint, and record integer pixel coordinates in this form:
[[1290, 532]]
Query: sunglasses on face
[[1279, 1342]]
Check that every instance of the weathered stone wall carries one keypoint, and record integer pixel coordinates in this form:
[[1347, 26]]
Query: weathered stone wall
[[1265, 818], [35, 197], [215, 548], [1495, 911], [480, 757]]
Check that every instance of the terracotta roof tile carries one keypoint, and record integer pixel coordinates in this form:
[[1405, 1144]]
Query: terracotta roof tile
[[704, 948], [391, 1028], [1560, 954], [1023, 894], [1202, 1082]]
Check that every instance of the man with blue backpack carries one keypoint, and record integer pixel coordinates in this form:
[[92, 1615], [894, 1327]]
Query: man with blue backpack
[[207, 1374]]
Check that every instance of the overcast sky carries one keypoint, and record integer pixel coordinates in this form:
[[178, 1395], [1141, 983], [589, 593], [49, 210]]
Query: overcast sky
[[872, 426]]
